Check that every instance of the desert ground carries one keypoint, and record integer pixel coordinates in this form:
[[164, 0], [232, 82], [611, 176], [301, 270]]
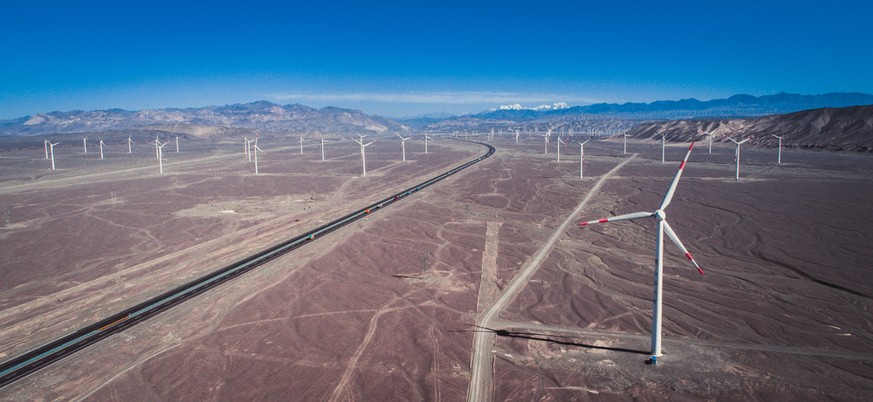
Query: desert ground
[[389, 308]]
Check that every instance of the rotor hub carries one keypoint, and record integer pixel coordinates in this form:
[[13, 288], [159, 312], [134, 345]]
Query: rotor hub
[[660, 215]]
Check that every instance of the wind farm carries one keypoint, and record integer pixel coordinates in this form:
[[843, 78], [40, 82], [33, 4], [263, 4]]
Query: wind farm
[[396, 226], [469, 222]]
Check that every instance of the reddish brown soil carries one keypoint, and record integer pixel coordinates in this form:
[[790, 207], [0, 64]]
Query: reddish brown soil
[[383, 310]]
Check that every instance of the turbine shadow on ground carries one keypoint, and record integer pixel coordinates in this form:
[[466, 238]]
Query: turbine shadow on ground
[[533, 336]]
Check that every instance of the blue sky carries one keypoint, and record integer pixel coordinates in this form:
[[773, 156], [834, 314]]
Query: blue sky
[[412, 57]]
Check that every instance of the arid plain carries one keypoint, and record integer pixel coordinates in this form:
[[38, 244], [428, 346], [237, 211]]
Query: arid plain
[[387, 309]]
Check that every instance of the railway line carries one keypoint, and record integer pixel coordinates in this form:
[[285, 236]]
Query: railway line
[[23, 365]]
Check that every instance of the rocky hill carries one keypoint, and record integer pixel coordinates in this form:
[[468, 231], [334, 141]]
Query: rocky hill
[[262, 115], [849, 128]]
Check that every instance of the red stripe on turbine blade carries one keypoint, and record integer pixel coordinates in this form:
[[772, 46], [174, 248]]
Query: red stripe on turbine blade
[[604, 220], [692, 146], [688, 255], [682, 165], [700, 270], [583, 223]]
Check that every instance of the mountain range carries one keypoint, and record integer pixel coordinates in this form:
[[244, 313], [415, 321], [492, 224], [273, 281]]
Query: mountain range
[[270, 117], [849, 128], [261, 115]]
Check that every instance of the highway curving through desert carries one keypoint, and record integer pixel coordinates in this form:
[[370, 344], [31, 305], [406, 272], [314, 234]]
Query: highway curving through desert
[[27, 363], [482, 360]]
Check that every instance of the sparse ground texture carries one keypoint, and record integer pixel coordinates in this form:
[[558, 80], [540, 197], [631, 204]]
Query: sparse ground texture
[[387, 309]]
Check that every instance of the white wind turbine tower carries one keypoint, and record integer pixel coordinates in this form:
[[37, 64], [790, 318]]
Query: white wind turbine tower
[[663, 227], [737, 155], [85, 145], [625, 144], [160, 148], [663, 144], [425, 142], [581, 155], [101, 149], [177, 144], [129, 143], [301, 145], [710, 142], [546, 142], [779, 155], [559, 147], [322, 147], [46, 144], [157, 148], [364, 154], [255, 150], [52, 151], [516, 137], [403, 145]]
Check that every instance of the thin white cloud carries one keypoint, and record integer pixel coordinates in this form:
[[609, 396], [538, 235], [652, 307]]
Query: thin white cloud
[[457, 98]]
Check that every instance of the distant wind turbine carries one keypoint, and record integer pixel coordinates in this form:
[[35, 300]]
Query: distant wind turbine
[[46, 144], [663, 227], [52, 151], [663, 145], [129, 143], [559, 147], [101, 149], [779, 155], [322, 147], [301, 145], [581, 155], [364, 155], [403, 145], [85, 145], [255, 151], [425, 142], [737, 153], [160, 148]]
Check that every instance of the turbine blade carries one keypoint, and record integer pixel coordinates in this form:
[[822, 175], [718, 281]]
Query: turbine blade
[[625, 217], [672, 189], [672, 235]]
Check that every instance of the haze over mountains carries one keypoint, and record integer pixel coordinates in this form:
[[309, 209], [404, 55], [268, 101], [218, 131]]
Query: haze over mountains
[[271, 117]]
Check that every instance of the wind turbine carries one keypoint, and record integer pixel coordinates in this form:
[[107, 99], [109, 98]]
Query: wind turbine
[[737, 157], [559, 147], [129, 142], [301, 145], [710, 142], [625, 144], [177, 144], [364, 154], [101, 149], [425, 142], [516, 137], [52, 151], [160, 148], [157, 149], [322, 147], [663, 145], [403, 145], [85, 145], [546, 142], [779, 155], [581, 154], [255, 151], [663, 227], [46, 144]]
